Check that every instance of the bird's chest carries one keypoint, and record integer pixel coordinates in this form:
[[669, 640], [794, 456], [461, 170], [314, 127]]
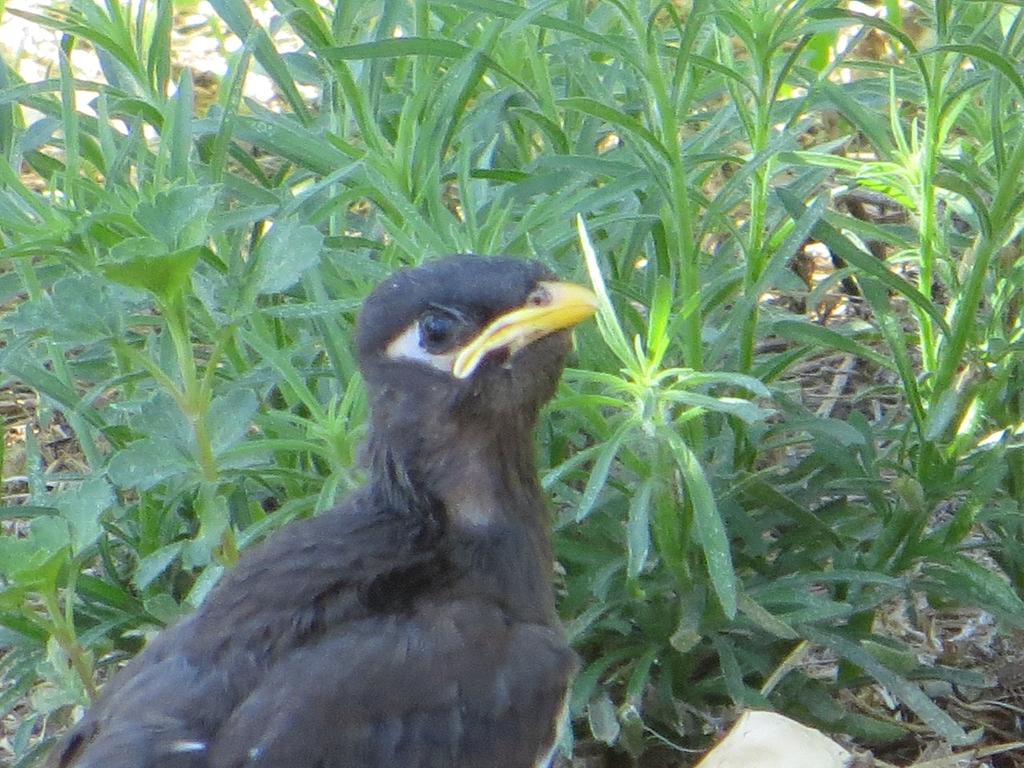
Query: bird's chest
[[458, 679]]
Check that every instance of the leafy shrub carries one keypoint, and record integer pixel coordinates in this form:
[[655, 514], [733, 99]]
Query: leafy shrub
[[181, 288]]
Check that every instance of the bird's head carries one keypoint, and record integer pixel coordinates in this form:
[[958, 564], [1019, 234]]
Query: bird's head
[[469, 335], [463, 348]]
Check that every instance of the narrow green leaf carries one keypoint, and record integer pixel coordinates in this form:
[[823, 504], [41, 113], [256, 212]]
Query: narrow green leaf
[[710, 531], [158, 57], [638, 528], [155, 563], [238, 17], [864, 261], [734, 406], [765, 619], [178, 130], [657, 322], [628, 125], [990, 56], [977, 585], [604, 724], [602, 465], [391, 47], [903, 689], [941, 414], [816, 335], [607, 320], [961, 186]]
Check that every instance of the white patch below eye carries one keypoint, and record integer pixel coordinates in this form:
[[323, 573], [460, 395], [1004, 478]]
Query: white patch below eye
[[406, 346], [184, 746]]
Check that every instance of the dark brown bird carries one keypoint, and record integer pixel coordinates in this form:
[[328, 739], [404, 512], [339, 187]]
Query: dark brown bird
[[413, 626]]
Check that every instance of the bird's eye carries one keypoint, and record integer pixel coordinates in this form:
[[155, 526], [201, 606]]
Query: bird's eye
[[437, 330]]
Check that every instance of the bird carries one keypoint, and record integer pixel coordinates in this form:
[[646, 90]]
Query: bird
[[414, 625]]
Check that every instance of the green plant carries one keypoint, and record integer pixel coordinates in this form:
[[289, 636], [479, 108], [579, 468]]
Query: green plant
[[180, 289]]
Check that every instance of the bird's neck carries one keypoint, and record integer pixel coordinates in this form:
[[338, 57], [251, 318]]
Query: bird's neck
[[481, 486]]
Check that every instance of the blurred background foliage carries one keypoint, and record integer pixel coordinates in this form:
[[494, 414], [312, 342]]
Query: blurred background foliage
[[786, 464]]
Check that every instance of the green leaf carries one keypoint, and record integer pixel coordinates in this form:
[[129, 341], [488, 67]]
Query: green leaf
[[829, 429], [79, 309], [330, 308], [214, 522], [638, 528], [864, 261], [22, 558], [602, 465], [155, 563], [163, 275], [50, 533], [963, 187], [903, 689], [734, 406], [238, 17], [765, 619], [82, 508], [972, 584], [177, 139], [146, 463], [819, 336], [398, 46], [177, 217], [657, 323], [990, 56], [607, 320], [230, 417], [628, 125], [710, 530], [604, 723], [284, 254], [941, 414]]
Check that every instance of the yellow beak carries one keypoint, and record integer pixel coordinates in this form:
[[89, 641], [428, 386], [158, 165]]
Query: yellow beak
[[551, 307]]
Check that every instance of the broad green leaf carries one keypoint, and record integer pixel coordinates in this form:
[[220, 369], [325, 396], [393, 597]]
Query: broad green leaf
[[22, 558], [284, 254], [146, 463], [163, 275], [82, 507], [230, 417], [79, 309], [214, 523], [177, 217]]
